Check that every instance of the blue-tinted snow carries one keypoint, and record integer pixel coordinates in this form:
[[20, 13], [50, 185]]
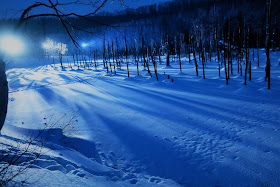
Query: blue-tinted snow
[[194, 131]]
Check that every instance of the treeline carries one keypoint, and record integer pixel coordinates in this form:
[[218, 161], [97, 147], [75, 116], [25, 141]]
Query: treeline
[[220, 31], [171, 18], [187, 17], [210, 32]]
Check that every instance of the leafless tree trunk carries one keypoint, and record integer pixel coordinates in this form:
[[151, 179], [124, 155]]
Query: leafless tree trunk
[[194, 56], [3, 93], [147, 62], [225, 66], [179, 51], [113, 55], [126, 55], [267, 42], [258, 52], [143, 52], [246, 56], [109, 57], [250, 70], [203, 62], [54, 5], [219, 69], [104, 51], [154, 62]]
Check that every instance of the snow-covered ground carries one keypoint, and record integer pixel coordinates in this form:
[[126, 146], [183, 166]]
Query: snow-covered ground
[[139, 131]]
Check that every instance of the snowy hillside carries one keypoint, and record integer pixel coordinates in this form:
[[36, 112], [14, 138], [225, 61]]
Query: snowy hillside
[[139, 131]]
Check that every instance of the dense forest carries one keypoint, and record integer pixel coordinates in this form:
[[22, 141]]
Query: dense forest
[[155, 22]]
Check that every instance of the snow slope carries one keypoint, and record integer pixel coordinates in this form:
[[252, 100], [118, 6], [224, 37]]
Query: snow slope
[[190, 132]]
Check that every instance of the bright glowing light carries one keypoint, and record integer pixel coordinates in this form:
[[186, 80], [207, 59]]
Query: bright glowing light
[[84, 45], [11, 45]]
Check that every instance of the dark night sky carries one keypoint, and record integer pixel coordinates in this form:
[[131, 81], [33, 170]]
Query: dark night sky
[[10, 7]]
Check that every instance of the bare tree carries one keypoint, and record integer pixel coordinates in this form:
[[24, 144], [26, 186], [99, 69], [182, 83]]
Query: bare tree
[[267, 42], [3, 93], [53, 9], [26, 152], [126, 55]]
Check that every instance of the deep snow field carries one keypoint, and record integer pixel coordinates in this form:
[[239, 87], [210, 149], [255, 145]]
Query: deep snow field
[[143, 132]]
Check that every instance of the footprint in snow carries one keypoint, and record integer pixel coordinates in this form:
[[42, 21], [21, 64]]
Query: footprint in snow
[[115, 179], [155, 180], [77, 172], [57, 168], [110, 160], [69, 168], [81, 174], [166, 139], [128, 176], [133, 181], [112, 153], [112, 156], [45, 163]]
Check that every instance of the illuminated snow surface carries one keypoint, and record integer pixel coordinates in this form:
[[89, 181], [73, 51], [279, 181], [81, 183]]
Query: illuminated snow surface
[[137, 131]]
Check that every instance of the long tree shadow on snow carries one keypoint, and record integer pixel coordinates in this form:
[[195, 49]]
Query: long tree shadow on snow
[[142, 145], [131, 137], [159, 157], [55, 139], [189, 106]]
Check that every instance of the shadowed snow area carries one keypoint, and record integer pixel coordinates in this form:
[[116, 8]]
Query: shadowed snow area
[[190, 132]]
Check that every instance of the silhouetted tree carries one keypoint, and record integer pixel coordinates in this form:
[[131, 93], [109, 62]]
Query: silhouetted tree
[[53, 8]]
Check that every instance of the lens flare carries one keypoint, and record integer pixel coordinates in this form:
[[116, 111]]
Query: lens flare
[[84, 45], [11, 45]]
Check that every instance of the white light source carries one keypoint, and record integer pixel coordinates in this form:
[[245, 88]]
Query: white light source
[[11, 45], [84, 45]]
